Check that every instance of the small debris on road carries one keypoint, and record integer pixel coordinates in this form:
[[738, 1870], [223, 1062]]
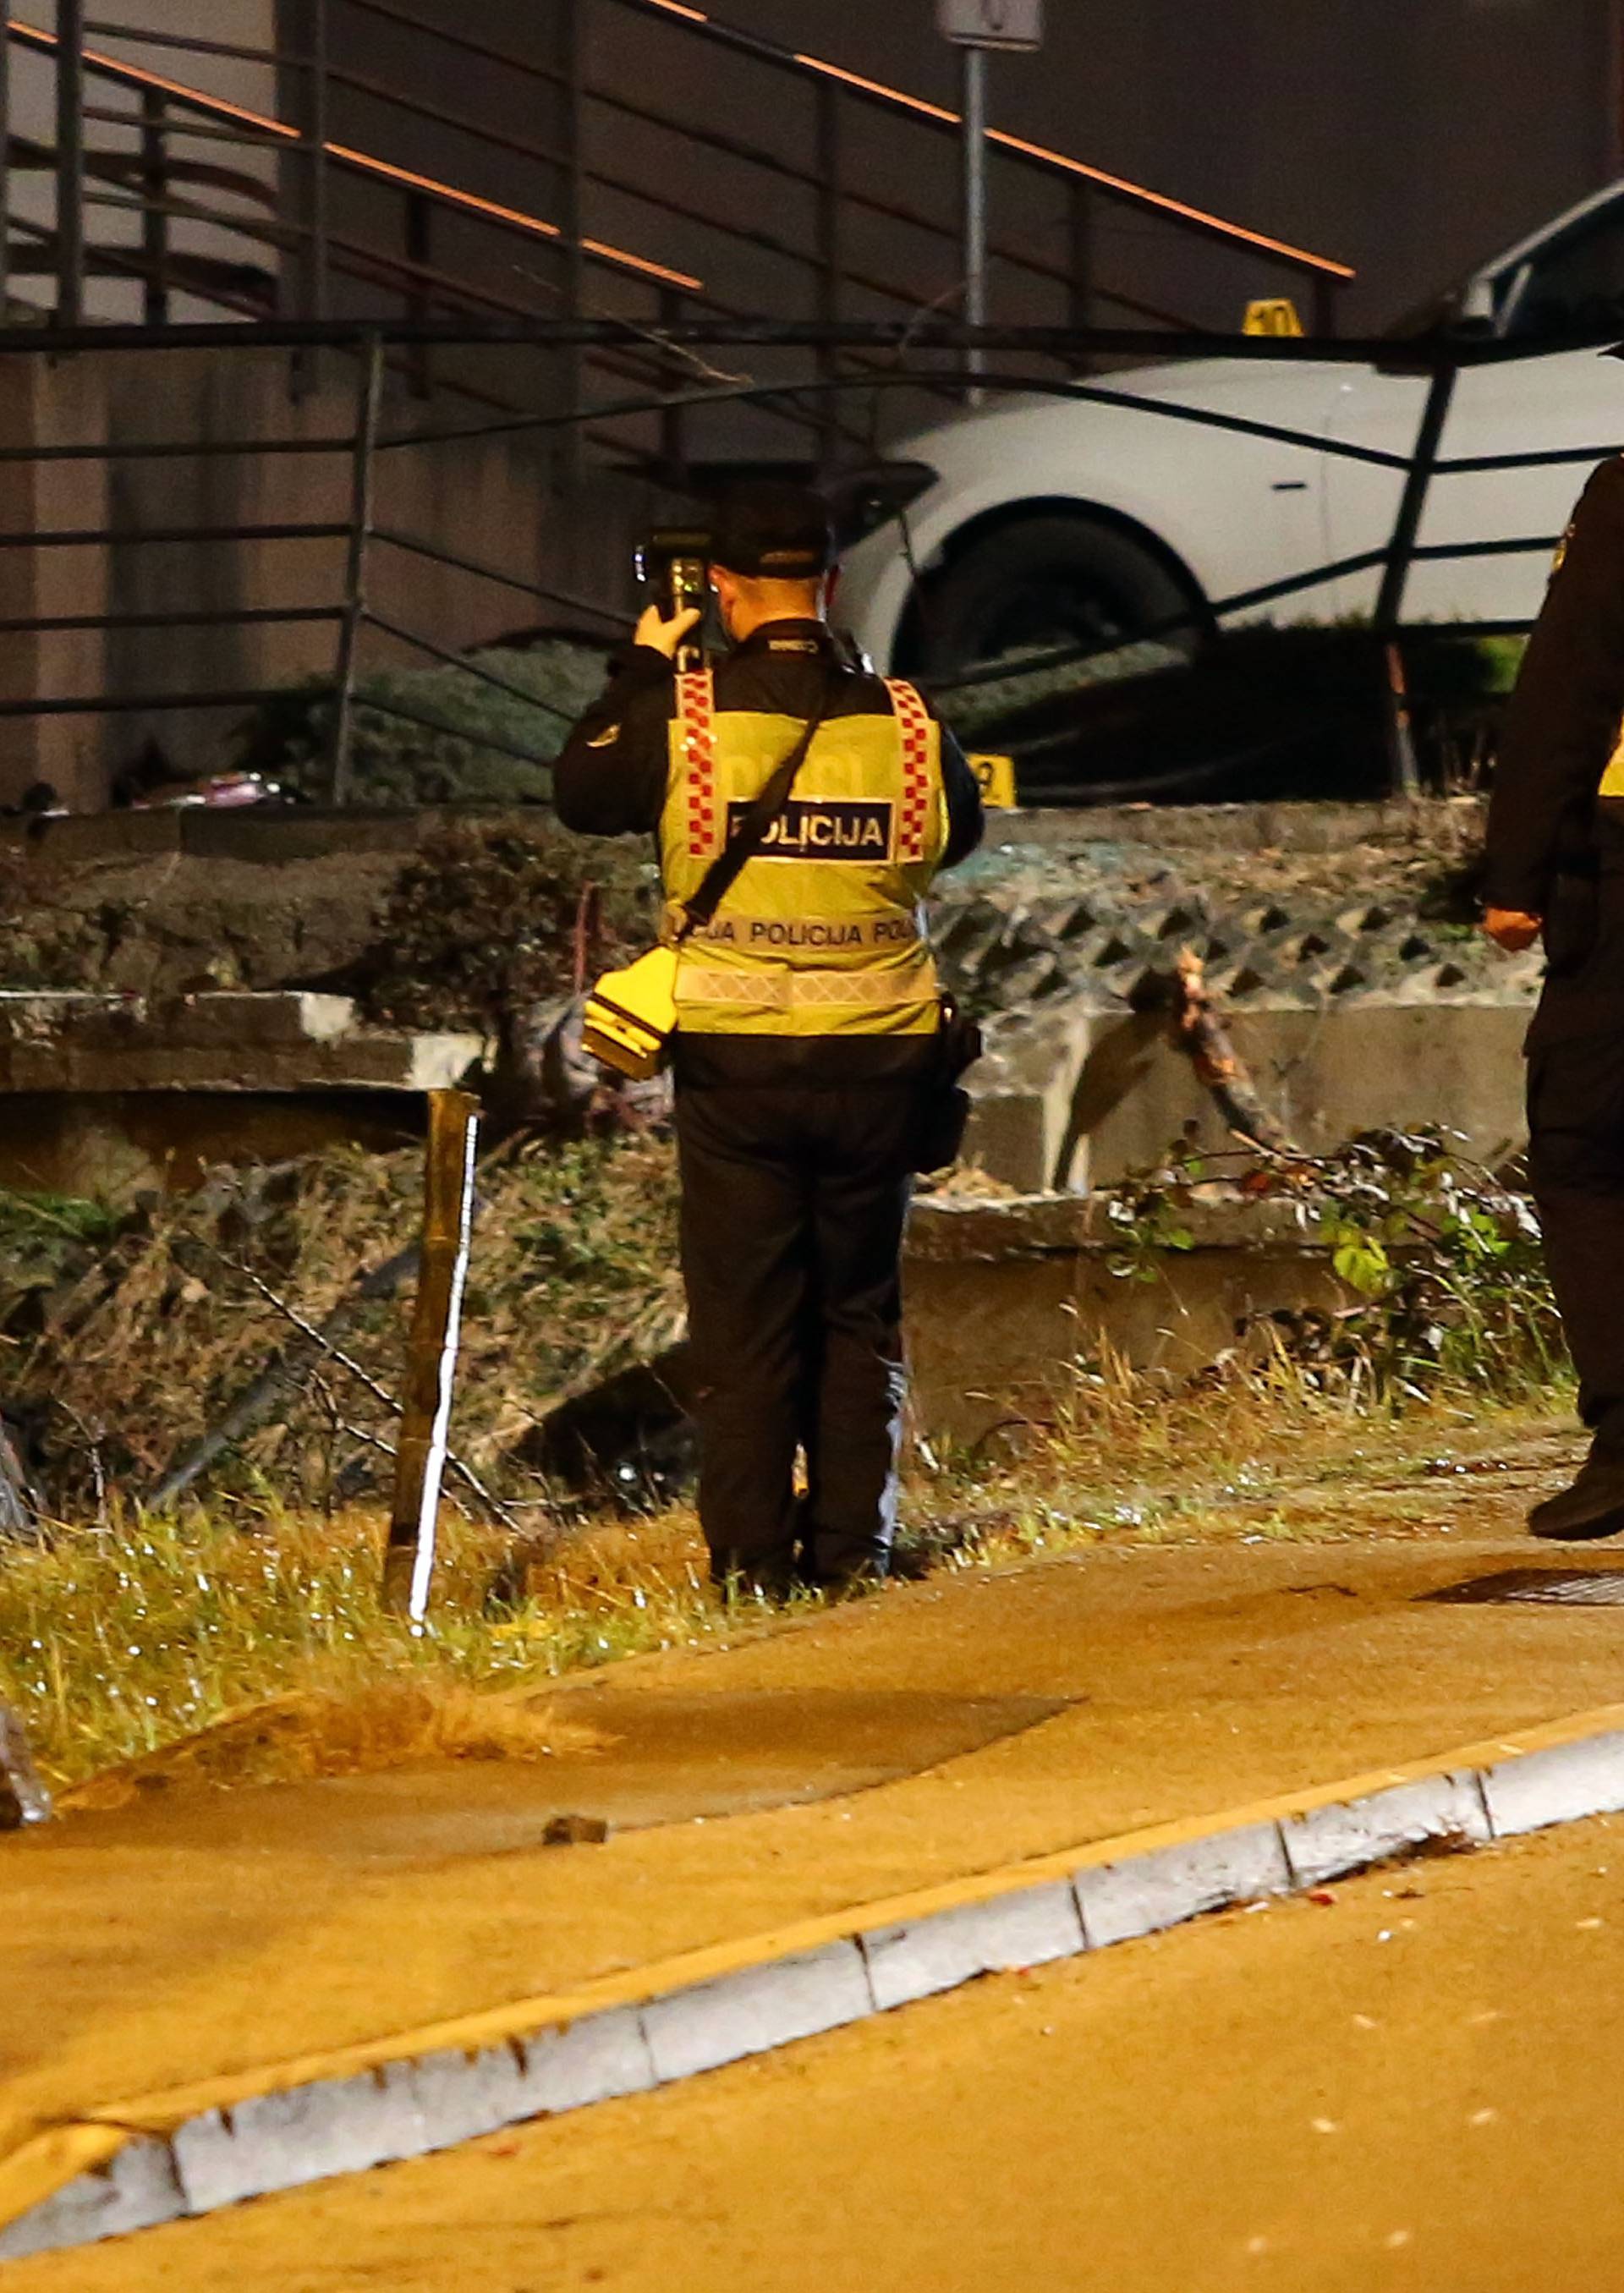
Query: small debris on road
[[575, 1831]]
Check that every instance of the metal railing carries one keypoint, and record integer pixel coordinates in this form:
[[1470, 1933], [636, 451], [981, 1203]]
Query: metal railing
[[353, 611], [795, 218]]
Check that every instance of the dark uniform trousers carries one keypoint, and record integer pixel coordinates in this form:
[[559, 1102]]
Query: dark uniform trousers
[[793, 1204], [1576, 1128], [1576, 1170], [1555, 850]]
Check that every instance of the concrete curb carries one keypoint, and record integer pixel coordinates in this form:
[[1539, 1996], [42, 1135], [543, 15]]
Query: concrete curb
[[172, 2155]]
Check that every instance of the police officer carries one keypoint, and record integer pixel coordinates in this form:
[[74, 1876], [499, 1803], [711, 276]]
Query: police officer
[[807, 1036], [1556, 867]]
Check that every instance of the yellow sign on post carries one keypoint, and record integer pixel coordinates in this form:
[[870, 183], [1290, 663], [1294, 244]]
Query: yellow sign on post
[[996, 778], [1278, 317]]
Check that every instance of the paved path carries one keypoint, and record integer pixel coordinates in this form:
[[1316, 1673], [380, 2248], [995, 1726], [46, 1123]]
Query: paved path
[[1072, 1701], [1412, 2085]]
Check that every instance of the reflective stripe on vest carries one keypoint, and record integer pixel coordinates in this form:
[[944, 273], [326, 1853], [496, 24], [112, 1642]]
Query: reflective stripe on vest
[[785, 989], [822, 933]]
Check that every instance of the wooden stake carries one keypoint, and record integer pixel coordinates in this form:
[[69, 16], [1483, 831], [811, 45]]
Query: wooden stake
[[431, 1366]]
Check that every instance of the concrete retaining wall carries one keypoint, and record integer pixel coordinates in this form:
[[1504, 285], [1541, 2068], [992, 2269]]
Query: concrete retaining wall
[[491, 499], [1006, 1300], [1083, 1093]]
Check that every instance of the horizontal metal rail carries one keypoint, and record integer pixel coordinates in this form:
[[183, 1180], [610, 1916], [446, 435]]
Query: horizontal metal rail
[[175, 450], [945, 337], [902, 105], [465, 667], [911, 378], [196, 44], [459, 563], [77, 537], [220, 618], [123, 704], [1420, 471], [818, 74], [392, 707], [358, 162]]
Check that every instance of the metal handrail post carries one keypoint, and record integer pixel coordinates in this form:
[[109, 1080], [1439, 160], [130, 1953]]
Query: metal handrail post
[[363, 469], [154, 217], [70, 162], [419, 233], [829, 263], [975, 206], [673, 418], [316, 113], [1080, 250], [571, 363], [6, 176], [1395, 576]]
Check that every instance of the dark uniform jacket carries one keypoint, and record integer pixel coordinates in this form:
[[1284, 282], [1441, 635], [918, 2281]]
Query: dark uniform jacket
[[1555, 844], [611, 780]]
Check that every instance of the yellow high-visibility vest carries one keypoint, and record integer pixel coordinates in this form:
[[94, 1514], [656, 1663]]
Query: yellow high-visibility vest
[[824, 933]]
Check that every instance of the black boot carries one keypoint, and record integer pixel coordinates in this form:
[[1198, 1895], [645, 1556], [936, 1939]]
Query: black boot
[[1592, 1507]]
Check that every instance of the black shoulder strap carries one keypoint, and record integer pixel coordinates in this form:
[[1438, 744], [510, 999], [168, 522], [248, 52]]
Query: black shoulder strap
[[751, 833]]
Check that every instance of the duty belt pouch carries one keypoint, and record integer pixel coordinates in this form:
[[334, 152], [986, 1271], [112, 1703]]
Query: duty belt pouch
[[945, 1112], [630, 1018]]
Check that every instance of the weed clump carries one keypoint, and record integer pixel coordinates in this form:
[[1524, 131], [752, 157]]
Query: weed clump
[[126, 1334], [486, 919]]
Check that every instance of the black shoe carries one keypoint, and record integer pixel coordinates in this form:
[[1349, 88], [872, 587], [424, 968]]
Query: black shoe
[[757, 1586], [903, 1564], [1592, 1508]]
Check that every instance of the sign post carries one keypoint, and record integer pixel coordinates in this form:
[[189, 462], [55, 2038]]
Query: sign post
[[978, 27]]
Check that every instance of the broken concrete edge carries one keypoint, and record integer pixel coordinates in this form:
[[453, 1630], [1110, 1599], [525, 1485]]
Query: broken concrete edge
[[187, 2152]]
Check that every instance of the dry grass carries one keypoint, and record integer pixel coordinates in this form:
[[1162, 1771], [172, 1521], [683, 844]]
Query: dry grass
[[117, 1643], [248, 1628], [364, 1731], [122, 1338], [252, 1638]]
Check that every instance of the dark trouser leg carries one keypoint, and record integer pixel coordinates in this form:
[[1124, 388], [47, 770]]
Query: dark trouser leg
[[860, 1206], [1576, 1165], [745, 1251]]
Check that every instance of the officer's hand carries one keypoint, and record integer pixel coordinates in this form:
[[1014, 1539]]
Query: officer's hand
[[1510, 928], [665, 637]]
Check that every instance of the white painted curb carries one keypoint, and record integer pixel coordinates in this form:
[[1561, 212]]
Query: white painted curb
[[131, 2166]]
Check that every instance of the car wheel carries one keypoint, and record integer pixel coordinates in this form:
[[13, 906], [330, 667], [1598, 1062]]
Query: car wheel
[[1053, 581]]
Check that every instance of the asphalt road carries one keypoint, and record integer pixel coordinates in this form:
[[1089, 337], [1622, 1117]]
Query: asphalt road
[[1413, 2083]]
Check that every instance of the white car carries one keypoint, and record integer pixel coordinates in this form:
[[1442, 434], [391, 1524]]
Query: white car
[[1041, 521]]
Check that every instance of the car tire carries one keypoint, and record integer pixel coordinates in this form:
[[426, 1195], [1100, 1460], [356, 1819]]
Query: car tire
[[1054, 579]]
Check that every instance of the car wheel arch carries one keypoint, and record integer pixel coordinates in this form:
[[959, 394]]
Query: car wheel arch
[[1031, 509], [1032, 506]]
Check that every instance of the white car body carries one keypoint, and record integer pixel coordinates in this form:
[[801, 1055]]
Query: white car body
[[1237, 513]]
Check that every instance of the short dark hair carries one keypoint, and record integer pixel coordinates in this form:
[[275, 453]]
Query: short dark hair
[[774, 530]]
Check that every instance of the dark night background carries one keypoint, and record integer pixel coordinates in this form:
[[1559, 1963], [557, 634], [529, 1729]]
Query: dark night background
[[1410, 137]]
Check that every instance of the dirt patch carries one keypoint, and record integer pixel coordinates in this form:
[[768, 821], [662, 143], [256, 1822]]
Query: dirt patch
[[367, 1730]]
